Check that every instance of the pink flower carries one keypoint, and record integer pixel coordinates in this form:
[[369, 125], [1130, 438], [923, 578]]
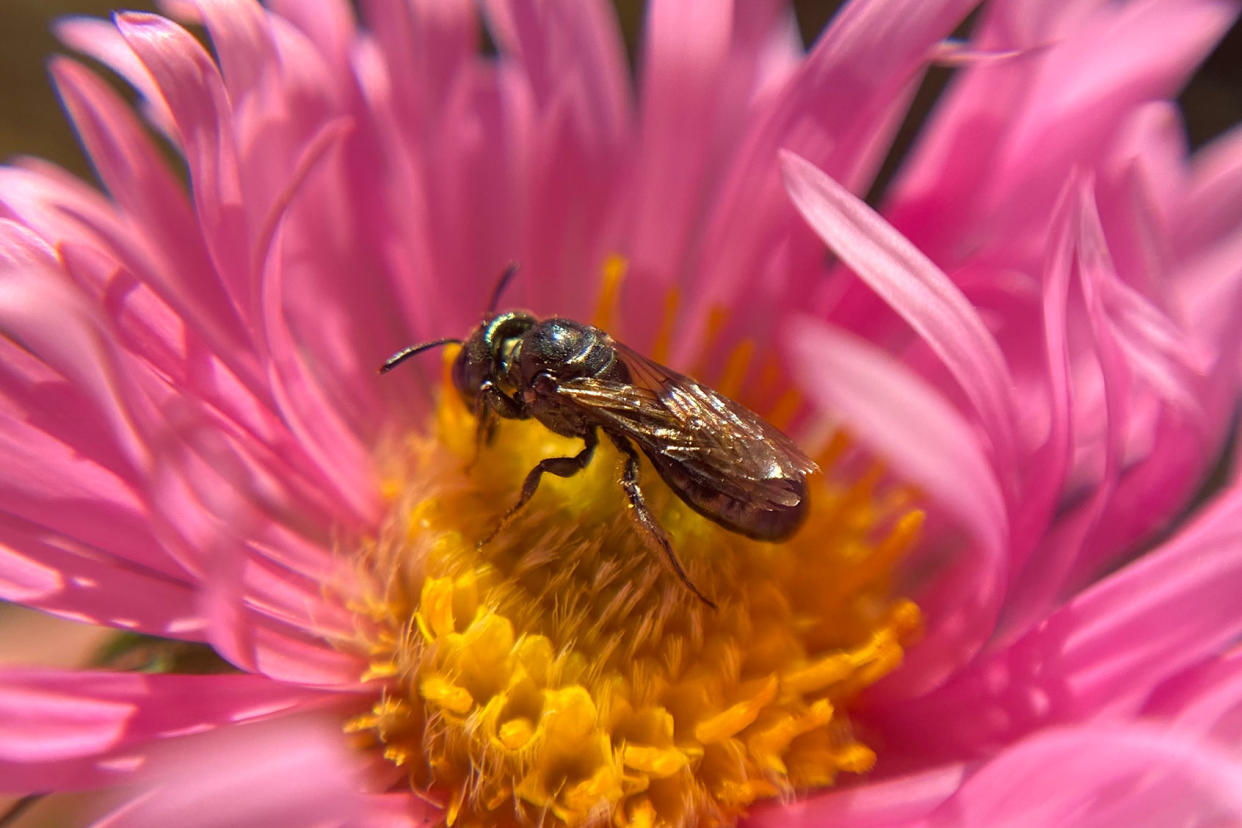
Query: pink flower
[[1035, 336]]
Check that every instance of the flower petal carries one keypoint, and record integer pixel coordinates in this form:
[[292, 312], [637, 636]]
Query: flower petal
[[828, 111], [569, 43], [685, 51], [426, 47], [1116, 775], [928, 444], [1213, 210], [131, 168], [343, 462], [293, 771], [329, 24], [101, 40], [1009, 133], [1100, 655], [1135, 774], [77, 729], [1205, 701], [33, 291], [883, 803], [190, 84], [918, 290], [1031, 590], [1154, 348], [59, 574]]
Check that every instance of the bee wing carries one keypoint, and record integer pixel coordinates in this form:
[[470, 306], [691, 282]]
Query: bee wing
[[709, 437]]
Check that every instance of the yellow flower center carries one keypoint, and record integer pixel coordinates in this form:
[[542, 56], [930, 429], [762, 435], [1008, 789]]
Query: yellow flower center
[[562, 673]]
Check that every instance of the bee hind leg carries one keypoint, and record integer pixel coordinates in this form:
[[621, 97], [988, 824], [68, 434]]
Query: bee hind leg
[[647, 522], [560, 466]]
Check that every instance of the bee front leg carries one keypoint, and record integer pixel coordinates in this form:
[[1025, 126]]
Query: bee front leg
[[483, 433], [560, 466], [489, 402], [648, 525]]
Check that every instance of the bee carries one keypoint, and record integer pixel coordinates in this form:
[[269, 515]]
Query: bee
[[722, 459]]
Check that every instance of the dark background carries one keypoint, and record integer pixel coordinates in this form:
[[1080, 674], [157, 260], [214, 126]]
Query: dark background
[[33, 123]]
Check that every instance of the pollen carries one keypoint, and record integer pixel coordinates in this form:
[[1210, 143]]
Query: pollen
[[560, 674]]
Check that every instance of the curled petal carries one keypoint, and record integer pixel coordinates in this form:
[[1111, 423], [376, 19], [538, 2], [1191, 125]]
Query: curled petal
[[916, 289], [190, 85]]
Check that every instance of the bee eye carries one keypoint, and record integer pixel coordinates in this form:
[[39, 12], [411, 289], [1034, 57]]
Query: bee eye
[[461, 375]]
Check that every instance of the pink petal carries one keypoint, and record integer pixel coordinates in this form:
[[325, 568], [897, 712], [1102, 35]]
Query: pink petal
[[1120, 56], [343, 461], [567, 58], [831, 113], [94, 241], [914, 287], [1100, 655], [1094, 775], [100, 40], [1207, 290], [190, 85], [58, 574], [64, 471], [1156, 349], [927, 443], [242, 42], [1213, 210], [884, 803], [569, 43], [1063, 546], [263, 645], [425, 47], [1008, 134], [77, 729], [281, 95], [33, 290], [259, 615], [221, 508], [329, 24], [1164, 462], [296, 771], [1139, 190], [133, 171], [1032, 590], [1205, 701], [903, 420], [685, 52]]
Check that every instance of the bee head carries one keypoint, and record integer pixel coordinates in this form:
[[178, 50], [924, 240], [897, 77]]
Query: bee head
[[485, 353]]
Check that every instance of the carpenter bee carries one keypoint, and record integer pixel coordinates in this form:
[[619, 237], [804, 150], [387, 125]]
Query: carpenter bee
[[722, 459]]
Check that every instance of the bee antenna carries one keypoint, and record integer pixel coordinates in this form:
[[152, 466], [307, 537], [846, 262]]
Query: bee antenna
[[405, 353], [503, 282]]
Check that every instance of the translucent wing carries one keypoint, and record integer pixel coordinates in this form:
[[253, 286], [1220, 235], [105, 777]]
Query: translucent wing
[[699, 440]]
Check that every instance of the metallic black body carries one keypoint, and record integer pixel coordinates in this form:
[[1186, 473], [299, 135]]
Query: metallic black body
[[719, 457]]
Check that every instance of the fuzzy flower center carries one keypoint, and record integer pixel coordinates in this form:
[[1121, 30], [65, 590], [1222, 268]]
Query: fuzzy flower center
[[561, 673]]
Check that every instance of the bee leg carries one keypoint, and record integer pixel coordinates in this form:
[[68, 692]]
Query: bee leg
[[487, 403], [650, 526], [560, 466], [483, 434]]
